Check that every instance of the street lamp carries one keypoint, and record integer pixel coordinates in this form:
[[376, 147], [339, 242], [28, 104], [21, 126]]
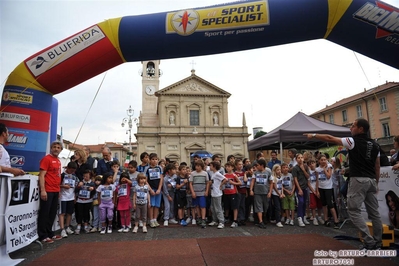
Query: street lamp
[[129, 122]]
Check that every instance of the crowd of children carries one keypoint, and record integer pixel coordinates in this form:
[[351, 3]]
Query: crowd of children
[[207, 194]]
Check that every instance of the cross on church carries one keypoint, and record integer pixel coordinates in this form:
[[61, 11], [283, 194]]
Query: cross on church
[[192, 65]]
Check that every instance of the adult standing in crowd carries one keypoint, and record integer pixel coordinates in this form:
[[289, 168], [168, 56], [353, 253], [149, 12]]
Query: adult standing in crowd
[[104, 164], [5, 162], [49, 182], [273, 160], [364, 164], [90, 160], [81, 162], [7, 170]]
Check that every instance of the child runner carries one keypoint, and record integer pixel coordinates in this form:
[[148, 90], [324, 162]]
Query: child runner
[[189, 207], [155, 181], [277, 193], [84, 192], [181, 188], [132, 170], [216, 183], [169, 187], [144, 158], [69, 182], [95, 211], [231, 197], [242, 190], [313, 184], [141, 202], [122, 195], [199, 187], [289, 193], [249, 200], [326, 191], [106, 201], [261, 190], [301, 175]]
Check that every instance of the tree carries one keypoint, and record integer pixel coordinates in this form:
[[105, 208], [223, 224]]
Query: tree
[[259, 134]]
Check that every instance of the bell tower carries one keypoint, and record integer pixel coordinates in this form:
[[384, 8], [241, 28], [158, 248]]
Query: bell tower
[[150, 75]]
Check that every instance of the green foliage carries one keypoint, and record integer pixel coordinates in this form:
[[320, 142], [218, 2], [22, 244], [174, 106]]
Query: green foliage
[[259, 134]]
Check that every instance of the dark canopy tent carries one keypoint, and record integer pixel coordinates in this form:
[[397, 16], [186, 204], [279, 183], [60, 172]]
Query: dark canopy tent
[[290, 134]]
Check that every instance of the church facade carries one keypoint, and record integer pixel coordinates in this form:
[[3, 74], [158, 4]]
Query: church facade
[[185, 117]]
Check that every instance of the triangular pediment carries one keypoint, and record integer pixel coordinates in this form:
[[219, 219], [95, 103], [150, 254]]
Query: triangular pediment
[[195, 146], [193, 85]]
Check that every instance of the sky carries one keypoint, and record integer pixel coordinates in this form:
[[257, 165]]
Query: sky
[[269, 85]]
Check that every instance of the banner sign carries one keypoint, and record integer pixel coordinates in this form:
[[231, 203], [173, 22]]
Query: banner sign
[[21, 212], [388, 188]]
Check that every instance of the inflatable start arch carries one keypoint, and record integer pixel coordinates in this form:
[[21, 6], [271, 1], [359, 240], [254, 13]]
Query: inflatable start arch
[[365, 26]]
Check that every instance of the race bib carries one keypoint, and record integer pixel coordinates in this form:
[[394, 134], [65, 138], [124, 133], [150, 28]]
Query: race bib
[[154, 174], [122, 191], [261, 180], [84, 193], [69, 181], [286, 183]]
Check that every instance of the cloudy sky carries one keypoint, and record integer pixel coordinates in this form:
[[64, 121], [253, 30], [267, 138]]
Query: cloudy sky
[[269, 85]]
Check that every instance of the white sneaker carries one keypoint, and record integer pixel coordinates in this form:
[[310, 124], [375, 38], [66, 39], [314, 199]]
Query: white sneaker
[[234, 225], [166, 223], [300, 222], [315, 222], [220, 226], [292, 222], [321, 221], [64, 234], [135, 229], [93, 230], [188, 220], [77, 231], [144, 229], [287, 222], [109, 231], [140, 223], [305, 221], [121, 230], [69, 231], [212, 223], [193, 221], [126, 230], [279, 224], [102, 231], [173, 221]]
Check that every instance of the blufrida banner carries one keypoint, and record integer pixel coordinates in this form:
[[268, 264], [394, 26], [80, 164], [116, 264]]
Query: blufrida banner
[[21, 212]]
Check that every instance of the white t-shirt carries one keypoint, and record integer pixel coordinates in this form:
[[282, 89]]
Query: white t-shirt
[[217, 178], [68, 194], [107, 192], [5, 160], [324, 182], [279, 182]]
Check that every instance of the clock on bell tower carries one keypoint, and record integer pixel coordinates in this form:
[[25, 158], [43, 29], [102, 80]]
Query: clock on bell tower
[[150, 75]]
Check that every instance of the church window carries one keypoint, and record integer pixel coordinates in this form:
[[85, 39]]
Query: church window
[[194, 117]]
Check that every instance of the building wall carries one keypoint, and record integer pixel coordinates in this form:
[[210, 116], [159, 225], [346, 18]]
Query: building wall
[[371, 110]]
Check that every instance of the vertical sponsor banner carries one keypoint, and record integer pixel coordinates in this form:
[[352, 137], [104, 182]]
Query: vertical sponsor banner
[[21, 212], [26, 113], [388, 188]]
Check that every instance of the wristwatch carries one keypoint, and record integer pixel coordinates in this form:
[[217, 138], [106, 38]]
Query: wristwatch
[[313, 135]]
